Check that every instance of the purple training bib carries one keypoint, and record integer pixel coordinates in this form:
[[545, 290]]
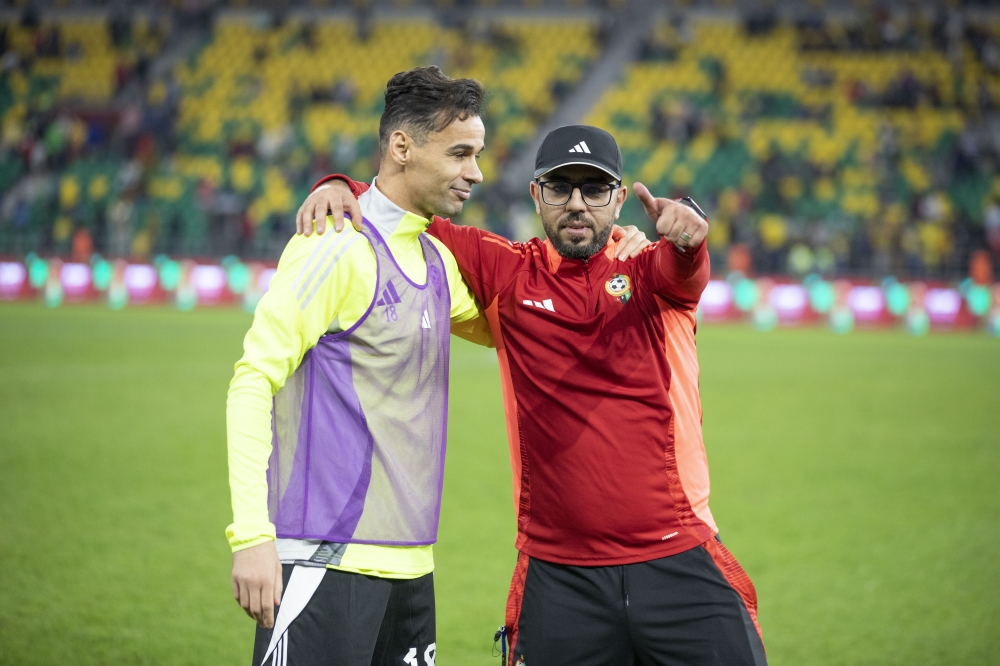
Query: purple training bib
[[360, 427]]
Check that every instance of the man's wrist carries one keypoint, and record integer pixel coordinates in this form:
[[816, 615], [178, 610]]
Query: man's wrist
[[690, 203], [325, 182], [249, 534]]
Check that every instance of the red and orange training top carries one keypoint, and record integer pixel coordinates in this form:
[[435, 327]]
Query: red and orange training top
[[600, 387]]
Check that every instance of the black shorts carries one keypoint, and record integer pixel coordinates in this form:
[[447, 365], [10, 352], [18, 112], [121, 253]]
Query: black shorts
[[692, 609], [354, 620]]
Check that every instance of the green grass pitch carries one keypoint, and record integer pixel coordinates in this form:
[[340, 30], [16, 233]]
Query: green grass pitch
[[857, 479]]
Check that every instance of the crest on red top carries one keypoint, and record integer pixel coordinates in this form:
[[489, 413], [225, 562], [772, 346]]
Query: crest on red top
[[620, 287]]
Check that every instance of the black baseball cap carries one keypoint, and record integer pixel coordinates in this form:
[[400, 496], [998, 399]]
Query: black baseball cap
[[579, 144]]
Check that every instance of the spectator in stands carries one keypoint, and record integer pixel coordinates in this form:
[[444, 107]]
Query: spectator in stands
[[120, 228]]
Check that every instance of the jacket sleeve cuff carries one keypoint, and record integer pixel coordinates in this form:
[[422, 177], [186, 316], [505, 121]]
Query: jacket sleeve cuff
[[243, 536], [676, 265], [689, 254], [357, 189]]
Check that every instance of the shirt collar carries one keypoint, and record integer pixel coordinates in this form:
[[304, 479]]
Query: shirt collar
[[388, 218], [556, 261]]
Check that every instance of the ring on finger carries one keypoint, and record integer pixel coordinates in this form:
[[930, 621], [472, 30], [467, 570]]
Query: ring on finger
[[685, 237]]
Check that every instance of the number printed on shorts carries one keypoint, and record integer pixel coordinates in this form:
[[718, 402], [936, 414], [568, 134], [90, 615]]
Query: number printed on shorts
[[429, 655]]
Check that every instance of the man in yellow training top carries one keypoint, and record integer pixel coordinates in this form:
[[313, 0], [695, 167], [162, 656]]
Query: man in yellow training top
[[336, 501]]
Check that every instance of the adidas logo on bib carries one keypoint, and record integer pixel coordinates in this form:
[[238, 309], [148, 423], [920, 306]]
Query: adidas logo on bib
[[389, 295]]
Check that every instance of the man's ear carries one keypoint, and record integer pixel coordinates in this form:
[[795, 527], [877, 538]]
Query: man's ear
[[533, 189], [622, 195], [400, 144]]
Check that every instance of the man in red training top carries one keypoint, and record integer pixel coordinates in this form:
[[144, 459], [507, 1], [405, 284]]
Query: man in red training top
[[619, 561]]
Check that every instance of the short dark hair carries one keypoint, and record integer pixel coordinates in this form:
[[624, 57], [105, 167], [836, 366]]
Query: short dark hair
[[424, 100]]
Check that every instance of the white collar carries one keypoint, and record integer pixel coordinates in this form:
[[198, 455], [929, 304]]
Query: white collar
[[384, 215]]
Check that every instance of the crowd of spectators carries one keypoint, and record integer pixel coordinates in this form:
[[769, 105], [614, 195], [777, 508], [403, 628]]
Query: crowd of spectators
[[931, 208], [78, 178]]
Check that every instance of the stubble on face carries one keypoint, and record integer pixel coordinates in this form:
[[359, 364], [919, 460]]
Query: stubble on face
[[557, 220], [576, 247]]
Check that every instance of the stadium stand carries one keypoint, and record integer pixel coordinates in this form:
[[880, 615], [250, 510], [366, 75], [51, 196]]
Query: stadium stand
[[219, 153], [839, 146], [845, 143]]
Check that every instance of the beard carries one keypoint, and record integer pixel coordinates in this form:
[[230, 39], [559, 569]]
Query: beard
[[577, 249]]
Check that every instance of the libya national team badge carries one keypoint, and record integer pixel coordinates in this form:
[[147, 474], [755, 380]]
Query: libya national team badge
[[619, 287]]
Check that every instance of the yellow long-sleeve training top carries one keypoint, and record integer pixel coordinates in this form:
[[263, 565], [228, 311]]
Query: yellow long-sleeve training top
[[323, 284]]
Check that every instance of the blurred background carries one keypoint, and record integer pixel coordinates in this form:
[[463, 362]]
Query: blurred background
[[847, 153], [825, 140]]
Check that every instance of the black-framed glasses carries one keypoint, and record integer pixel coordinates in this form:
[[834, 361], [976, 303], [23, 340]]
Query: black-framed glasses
[[559, 192]]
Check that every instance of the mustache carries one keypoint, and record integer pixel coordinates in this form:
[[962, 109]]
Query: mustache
[[577, 217]]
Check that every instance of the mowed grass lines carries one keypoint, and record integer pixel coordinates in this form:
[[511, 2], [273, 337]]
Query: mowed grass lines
[[855, 478]]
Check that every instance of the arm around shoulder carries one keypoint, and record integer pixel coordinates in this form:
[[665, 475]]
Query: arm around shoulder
[[487, 261]]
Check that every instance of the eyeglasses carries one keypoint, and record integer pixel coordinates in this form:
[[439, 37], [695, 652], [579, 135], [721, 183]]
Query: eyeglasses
[[558, 193]]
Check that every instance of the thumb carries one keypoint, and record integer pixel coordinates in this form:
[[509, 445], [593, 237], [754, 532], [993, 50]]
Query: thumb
[[647, 200], [617, 233]]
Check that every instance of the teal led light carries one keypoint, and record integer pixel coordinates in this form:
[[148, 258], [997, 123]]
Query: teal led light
[[102, 273], [821, 296], [978, 298], [38, 272], [745, 295], [237, 276], [917, 322], [842, 321], [170, 274], [897, 298]]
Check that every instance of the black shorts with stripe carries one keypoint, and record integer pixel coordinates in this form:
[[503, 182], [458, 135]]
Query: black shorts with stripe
[[696, 608], [356, 620]]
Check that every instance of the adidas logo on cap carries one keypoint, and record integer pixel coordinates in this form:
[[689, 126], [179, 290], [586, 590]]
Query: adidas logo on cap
[[579, 144]]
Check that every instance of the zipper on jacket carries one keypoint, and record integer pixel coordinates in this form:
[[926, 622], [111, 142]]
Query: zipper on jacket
[[586, 273]]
